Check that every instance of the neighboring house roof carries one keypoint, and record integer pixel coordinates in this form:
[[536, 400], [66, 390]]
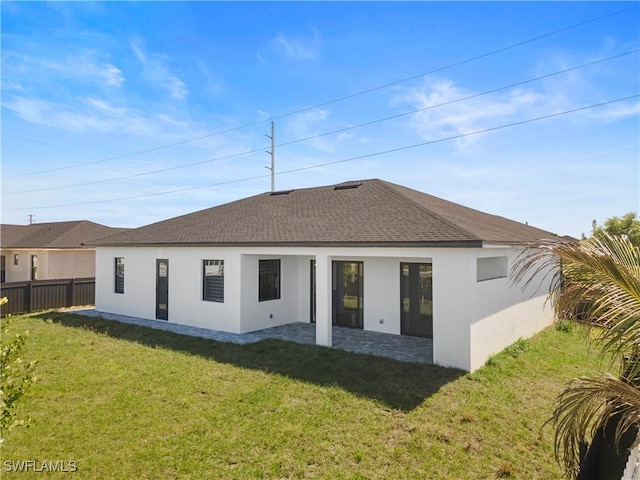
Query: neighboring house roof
[[73, 234], [367, 212]]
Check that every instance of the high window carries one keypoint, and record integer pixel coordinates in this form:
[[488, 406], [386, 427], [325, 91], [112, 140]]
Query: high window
[[213, 280], [489, 268], [119, 275], [268, 280]]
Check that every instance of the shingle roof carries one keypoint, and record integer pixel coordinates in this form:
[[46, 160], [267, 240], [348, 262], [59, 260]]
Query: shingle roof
[[73, 234], [374, 213]]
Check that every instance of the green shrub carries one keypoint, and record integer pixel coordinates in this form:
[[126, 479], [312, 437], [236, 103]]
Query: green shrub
[[16, 375], [564, 325], [517, 348]]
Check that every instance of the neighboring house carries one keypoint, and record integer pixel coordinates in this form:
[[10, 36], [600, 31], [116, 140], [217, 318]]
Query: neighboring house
[[44, 251], [367, 254]]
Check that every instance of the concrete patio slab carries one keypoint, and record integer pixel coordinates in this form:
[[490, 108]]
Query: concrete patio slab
[[398, 347]]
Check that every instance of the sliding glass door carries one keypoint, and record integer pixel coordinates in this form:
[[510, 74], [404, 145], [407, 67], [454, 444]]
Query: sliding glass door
[[416, 294]]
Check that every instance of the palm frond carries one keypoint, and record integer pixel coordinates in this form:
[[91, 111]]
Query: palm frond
[[587, 405], [596, 281]]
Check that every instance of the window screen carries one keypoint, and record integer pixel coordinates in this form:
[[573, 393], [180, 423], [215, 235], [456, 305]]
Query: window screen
[[213, 280], [119, 277]]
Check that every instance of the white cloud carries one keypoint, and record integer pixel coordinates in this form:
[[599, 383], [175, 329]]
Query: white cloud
[[297, 47], [12, 85], [177, 88], [82, 67], [104, 106], [213, 85], [156, 71], [263, 115], [139, 53], [443, 115], [111, 74], [90, 115], [617, 111], [304, 125]]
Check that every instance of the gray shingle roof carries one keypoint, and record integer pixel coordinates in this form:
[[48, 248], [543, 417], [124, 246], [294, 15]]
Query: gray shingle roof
[[374, 213], [54, 235]]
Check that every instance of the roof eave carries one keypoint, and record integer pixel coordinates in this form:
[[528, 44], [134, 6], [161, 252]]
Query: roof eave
[[511, 244], [421, 244], [41, 247]]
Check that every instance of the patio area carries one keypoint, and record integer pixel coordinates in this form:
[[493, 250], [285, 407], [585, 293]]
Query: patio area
[[398, 347]]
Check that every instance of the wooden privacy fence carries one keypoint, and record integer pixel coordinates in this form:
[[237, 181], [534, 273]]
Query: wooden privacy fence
[[25, 297]]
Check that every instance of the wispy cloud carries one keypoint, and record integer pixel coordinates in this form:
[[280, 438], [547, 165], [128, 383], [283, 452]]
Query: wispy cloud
[[139, 53], [297, 47], [158, 73], [177, 88], [617, 111], [462, 117], [213, 85], [112, 75], [307, 125], [104, 106], [88, 115], [83, 66]]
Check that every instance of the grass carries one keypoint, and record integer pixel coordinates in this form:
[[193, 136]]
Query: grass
[[130, 402]]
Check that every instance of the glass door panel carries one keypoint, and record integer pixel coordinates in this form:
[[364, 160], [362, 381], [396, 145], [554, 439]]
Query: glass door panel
[[348, 299], [416, 299]]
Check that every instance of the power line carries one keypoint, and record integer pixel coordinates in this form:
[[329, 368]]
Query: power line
[[340, 99], [360, 157], [351, 127]]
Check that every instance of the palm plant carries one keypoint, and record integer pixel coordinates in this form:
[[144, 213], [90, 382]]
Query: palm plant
[[595, 282]]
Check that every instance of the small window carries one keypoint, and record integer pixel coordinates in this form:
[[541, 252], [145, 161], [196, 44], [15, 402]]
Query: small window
[[490, 268], [213, 280], [268, 280], [119, 280]]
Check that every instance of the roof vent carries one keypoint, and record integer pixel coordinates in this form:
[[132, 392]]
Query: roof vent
[[348, 186], [281, 192]]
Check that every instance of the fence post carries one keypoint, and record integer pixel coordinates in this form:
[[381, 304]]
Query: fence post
[[28, 300], [71, 286]]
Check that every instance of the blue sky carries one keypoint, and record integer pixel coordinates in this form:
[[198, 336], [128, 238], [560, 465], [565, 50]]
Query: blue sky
[[128, 113]]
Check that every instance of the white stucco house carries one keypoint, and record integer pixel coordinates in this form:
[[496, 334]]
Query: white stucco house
[[365, 254], [52, 250]]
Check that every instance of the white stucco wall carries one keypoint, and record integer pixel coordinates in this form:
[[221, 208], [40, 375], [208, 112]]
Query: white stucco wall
[[471, 319], [381, 292], [503, 313], [71, 264], [256, 315], [185, 285], [52, 264], [452, 274], [20, 272]]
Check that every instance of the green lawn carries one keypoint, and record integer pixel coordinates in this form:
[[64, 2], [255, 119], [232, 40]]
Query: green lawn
[[130, 402]]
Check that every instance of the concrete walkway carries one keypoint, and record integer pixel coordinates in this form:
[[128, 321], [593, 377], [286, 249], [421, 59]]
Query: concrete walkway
[[398, 347]]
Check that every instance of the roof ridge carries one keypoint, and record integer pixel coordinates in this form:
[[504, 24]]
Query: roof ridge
[[377, 213], [391, 186], [64, 234]]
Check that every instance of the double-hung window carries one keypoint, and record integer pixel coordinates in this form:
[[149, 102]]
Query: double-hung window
[[119, 275], [213, 280], [268, 280]]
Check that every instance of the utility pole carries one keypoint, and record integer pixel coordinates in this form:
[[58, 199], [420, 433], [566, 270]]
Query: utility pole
[[272, 153], [31, 216]]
